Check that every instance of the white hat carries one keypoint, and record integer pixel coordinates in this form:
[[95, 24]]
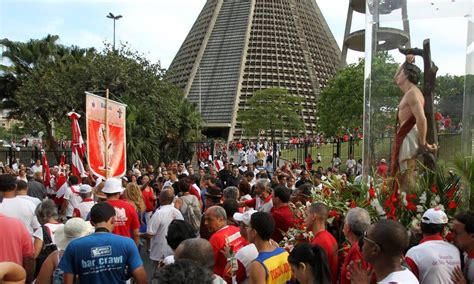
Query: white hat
[[113, 185], [85, 188], [383, 161], [434, 216], [73, 229], [244, 217]]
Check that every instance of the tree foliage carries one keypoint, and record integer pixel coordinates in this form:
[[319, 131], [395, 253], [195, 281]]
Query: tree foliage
[[271, 110], [341, 104], [46, 80], [449, 93]]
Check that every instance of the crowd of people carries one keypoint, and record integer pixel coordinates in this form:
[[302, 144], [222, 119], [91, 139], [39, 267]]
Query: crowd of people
[[217, 223]]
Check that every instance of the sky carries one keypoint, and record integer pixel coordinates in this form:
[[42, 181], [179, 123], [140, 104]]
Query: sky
[[157, 28]]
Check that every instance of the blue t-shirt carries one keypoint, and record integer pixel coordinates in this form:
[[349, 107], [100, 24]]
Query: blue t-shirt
[[101, 258]]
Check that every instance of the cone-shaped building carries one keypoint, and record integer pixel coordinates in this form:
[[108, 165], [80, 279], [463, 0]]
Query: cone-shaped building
[[237, 47]]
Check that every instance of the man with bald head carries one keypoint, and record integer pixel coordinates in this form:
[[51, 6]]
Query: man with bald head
[[199, 250], [158, 226], [223, 235], [383, 246]]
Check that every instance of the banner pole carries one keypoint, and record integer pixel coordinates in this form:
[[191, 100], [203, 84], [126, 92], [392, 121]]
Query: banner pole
[[106, 130]]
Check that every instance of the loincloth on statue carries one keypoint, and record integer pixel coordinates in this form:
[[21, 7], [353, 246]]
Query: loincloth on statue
[[408, 149]]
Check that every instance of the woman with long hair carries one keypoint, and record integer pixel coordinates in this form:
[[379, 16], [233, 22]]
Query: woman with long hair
[[133, 195], [309, 264]]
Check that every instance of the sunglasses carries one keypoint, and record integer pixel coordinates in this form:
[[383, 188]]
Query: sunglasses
[[367, 239]]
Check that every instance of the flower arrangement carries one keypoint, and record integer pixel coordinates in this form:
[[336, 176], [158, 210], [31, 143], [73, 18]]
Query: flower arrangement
[[432, 189]]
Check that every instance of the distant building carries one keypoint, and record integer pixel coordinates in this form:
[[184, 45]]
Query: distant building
[[237, 47], [5, 122]]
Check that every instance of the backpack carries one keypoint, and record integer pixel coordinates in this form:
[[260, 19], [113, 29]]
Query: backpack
[[46, 250], [192, 215]]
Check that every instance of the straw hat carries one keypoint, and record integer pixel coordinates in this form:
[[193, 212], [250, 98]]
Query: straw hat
[[73, 229]]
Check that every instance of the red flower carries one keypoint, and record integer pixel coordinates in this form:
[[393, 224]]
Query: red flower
[[353, 204], [451, 192], [411, 206], [434, 189], [333, 213], [452, 205], [371, 193], [411, 197]]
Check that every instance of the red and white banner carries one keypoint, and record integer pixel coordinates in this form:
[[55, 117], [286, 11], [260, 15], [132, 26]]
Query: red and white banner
[[78, 146], [46, 171], [106, 145]]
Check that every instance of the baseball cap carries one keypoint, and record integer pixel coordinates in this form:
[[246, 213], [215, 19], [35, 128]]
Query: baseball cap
[[85, 188], [383, 161], [244, 217], [434, 216], [113, 185]]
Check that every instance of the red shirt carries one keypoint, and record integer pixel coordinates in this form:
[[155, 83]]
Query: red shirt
[[218, 240], [283, 220], [326, 241], [354, 254], [126, 218], [15, 240], [147, 194]]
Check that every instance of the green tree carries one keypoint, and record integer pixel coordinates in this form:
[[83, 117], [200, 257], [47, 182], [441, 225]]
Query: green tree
[[42, 81], [449, 94], [342, 102], [159, 119], [271, 110]]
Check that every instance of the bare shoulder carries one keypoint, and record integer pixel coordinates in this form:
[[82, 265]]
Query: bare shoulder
[[257, 272], [414, 95]]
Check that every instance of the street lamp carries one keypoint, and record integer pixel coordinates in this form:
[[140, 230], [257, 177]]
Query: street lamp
[[113, 17]]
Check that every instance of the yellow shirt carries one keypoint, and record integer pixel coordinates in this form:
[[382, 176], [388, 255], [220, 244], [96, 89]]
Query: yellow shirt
[[276, 266]]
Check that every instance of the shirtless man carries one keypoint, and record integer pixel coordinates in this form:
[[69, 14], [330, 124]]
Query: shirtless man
[[411, 133]]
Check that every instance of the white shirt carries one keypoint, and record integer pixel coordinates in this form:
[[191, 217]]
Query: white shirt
[[71, 194], [351, 164], [51, 228], [85, 207], [22, 209], [36, 168], [435, 260], [35, 200], [246, 255], [261, 206], [158, 228], [469, 268], [400, 277]]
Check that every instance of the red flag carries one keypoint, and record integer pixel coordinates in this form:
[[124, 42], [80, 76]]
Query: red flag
[[46, 171], [78, 146]]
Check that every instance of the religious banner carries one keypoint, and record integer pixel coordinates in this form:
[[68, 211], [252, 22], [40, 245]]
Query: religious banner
[[106, 145], [78, 147]]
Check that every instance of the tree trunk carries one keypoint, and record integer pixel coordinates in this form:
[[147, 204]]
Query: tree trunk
[[50, 141]]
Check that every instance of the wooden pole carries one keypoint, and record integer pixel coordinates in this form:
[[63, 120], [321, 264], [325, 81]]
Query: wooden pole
[[106, 132]]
